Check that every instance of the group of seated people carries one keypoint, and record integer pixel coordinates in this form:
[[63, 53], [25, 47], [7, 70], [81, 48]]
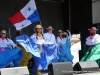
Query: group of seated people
[[44, 48]]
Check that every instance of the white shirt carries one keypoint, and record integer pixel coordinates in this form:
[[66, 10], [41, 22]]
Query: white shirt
[[6, 43], [63, 40], [95, 40], [49, 37], [37, 39], [76, 47], [59, 40]]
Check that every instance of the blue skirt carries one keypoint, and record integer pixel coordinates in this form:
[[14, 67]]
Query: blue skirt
[[50, 53], [8, 55]]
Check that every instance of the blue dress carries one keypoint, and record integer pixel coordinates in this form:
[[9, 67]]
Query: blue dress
[[8, 55], [66, 55], [50, 52]]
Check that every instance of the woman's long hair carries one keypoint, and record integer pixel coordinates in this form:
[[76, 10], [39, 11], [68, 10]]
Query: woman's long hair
[[37, 34]]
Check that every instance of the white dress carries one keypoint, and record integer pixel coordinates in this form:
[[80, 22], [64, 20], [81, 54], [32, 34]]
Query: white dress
[[7, 43], [75, 52], [49, 37]]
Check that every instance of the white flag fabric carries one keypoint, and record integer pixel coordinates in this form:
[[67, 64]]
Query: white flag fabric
[[26, 16]]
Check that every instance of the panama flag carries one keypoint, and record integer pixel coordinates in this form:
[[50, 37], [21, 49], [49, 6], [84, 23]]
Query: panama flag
[[25, 16]]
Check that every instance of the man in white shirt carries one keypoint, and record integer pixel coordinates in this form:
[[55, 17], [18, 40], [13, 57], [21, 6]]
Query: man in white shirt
[[49, 36]]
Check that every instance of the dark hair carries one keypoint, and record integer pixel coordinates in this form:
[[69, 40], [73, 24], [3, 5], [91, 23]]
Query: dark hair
[[18, 32], [37, 34]]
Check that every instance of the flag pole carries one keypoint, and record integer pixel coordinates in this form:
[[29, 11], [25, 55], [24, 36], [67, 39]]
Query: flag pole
[[9, 33], [40, 23], [42, 27], [42, 33]]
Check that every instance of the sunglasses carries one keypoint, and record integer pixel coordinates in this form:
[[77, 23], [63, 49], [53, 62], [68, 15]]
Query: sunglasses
[[3, 33]]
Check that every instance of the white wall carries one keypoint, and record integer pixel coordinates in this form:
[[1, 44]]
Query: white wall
[[96, 11]]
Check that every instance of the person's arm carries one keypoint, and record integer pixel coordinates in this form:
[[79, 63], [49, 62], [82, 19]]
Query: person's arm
[[58, 41], [15, 41], [69, 34], [55, 39], [45, 36], [11, 43]]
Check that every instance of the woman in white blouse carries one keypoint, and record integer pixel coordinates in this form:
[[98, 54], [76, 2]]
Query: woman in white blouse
[[60, 37], [38, 38], [6, 42], [8, 52], [65, 44]]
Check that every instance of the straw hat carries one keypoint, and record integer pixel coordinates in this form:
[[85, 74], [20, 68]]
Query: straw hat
[[65, 33], [38, 26], [3, 32], [93, 28], [60, 31], [50, 28]]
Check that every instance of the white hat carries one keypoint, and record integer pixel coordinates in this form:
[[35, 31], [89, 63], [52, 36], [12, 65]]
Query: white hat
[[65, 33], [50, 28], [3, 32], [60, 31]]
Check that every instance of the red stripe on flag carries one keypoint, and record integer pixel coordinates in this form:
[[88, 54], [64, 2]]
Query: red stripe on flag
[[18, 17]]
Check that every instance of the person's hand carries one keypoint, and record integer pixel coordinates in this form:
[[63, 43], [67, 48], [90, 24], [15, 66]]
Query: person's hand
[[16, 46]]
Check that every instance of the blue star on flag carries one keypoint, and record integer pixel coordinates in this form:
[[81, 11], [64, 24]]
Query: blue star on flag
[[29, 8]]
